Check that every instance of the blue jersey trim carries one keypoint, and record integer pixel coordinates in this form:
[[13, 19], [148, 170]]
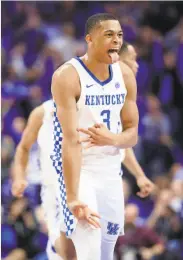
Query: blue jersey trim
[[102, 83]]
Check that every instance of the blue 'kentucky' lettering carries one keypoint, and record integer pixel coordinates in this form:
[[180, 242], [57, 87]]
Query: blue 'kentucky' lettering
[[97, 100], [112, 229]]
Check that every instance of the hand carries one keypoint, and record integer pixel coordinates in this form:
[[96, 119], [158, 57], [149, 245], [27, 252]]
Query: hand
[[98, 135], [18, 187], [145, 185], [146, 253], [82, 212]]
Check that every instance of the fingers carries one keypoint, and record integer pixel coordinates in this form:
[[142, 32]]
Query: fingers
[[85, 131], [92, 221], [92, 217], [84, 140], [82, 212], [89, 145], [91, 131], [18, 191], [94, 214]]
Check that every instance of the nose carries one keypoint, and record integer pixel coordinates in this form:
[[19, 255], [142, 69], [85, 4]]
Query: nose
[[116, 39]]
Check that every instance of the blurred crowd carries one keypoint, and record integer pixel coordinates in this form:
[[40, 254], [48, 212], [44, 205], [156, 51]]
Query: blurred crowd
[[37, 37]]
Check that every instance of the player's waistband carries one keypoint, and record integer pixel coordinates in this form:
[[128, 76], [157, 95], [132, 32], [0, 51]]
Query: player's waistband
[[109, 164]]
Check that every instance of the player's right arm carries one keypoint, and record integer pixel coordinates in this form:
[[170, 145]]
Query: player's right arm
[[66, 90], [29, 137]]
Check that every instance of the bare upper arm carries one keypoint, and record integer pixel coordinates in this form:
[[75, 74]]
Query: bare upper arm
[[32, 128], [129, 112], [65, 90]]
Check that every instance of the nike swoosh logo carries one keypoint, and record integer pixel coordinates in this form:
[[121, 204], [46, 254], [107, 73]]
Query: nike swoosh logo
[[89, 86]]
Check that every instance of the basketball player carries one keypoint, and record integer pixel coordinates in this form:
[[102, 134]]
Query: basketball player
[[90, 90], [39, 128], [40, 119]]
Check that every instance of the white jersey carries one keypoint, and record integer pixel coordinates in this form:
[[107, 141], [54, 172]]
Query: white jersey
[[100, 102], [33, 167], [45, 141]]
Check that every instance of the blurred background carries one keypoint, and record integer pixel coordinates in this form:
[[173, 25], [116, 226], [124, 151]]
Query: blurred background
[[39, 36]]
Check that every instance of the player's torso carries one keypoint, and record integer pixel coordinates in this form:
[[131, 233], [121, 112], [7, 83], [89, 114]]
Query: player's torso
[[100, 102]]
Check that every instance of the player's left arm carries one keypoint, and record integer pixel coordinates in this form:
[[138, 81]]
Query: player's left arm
[[131, 163], [20, 162], [145, 185], [129, 113]]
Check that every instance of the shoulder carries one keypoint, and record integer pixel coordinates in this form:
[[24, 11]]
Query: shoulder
[[129, 78], [65, 81], [37, 114], [66, 72], [126, 71]]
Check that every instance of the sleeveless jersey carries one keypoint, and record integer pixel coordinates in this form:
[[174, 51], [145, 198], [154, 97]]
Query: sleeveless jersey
[[99, 102], [45, 141], [33, 167]]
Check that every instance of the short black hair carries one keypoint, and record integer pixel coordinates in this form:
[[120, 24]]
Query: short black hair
[[96, 19], [124, 47]]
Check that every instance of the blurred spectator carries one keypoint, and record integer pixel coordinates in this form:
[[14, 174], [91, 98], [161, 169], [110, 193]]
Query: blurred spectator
[[65, 43], [7, 152], [18, 126], [22, 220], [165, 219], [156, 139], [139, 242], [36, 96]]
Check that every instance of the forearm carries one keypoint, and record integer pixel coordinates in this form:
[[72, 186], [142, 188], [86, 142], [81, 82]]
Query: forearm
[[20, 163], [132, 164], [128, 138], [71, 159]]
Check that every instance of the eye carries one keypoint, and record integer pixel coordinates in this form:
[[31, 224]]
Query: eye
[[109, 35], [120, 35]]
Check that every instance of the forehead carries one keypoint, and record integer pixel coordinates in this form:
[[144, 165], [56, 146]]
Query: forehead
[[112, 25]]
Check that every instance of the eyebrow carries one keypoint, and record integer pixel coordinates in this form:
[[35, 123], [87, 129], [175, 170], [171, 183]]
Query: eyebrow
[[106, 31]]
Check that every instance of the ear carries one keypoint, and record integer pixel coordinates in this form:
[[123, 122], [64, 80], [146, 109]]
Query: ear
[[88, 38]]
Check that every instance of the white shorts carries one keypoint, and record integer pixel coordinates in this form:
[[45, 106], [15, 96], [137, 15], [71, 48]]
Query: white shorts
[[102, 194], [52, 210]]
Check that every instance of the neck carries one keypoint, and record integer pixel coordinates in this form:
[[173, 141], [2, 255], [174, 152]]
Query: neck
[[96, 67]]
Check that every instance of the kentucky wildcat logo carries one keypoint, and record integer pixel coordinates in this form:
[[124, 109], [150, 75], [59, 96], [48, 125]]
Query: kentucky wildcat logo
[[112, 229]]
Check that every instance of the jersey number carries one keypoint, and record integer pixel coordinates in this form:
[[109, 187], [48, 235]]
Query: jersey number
[[106, 117]]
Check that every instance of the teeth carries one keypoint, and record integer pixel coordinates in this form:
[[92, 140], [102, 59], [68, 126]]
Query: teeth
[[113, 50]]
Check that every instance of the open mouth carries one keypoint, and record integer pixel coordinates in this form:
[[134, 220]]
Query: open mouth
[[110, 51], [113, 54]]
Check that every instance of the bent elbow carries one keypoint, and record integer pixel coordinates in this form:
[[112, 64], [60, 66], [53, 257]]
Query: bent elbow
[[135, 140]]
